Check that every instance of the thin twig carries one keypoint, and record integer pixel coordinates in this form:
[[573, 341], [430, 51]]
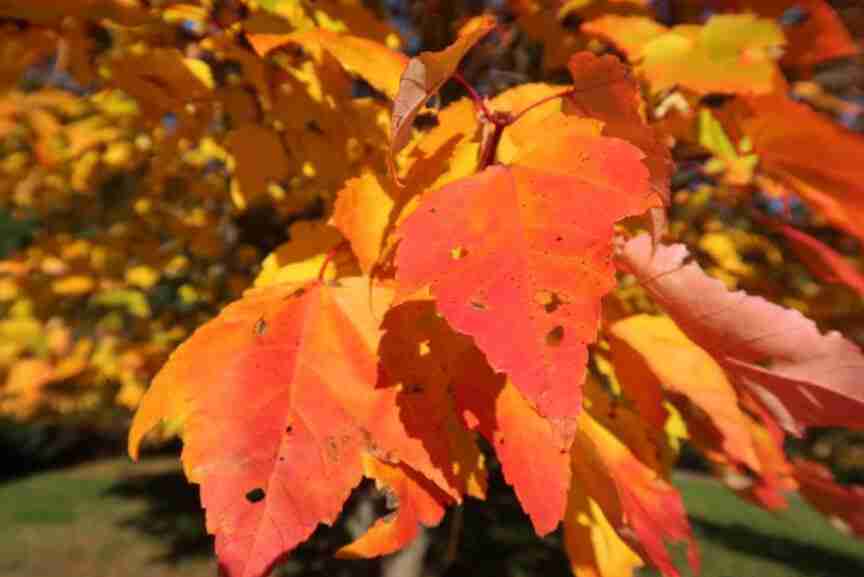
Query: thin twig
[[475, 96], [329, 257]]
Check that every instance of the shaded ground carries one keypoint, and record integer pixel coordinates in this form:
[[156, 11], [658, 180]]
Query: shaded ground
[[118, 519]]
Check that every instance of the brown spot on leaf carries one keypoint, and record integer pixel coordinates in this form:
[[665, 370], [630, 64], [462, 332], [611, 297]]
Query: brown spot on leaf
[[555, 336]]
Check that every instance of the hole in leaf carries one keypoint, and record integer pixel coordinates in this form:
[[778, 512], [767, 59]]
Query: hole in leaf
[[555, 336], [458, 253], [255, 495], [426, 121], [299, 292], [549, 300], [424, 348]]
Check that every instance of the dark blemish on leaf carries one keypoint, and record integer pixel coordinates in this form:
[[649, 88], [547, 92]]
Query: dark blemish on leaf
[[549, 300], [559, 238], [714, 100], [299, 292], [289, 429], [555, 336], [332, 449], [256, 495], [260, 327], [426, 121], [478, 306], [458, 253], [433, 210], [313, 126], [415, 388]]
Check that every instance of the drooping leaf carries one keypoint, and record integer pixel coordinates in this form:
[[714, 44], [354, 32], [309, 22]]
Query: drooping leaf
[[649, 350], [299, 363], [425, 74], [519, 256], [804, 377], [822, 260]]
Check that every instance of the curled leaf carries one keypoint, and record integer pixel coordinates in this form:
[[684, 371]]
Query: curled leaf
[[424, 76]]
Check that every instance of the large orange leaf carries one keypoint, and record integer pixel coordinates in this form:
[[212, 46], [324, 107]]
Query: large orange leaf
[[804, 377], [281, 405], [519, 256]]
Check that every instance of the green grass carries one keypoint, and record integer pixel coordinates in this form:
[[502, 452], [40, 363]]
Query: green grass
[[740, 540], [115, 518]]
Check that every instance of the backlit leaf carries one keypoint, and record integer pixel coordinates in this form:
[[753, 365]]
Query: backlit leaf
[[300, 363], [519, 256]]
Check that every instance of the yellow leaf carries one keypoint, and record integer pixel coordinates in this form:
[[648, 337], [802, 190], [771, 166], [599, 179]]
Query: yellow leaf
[[74, 285], [142, 276], [300, 259]]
